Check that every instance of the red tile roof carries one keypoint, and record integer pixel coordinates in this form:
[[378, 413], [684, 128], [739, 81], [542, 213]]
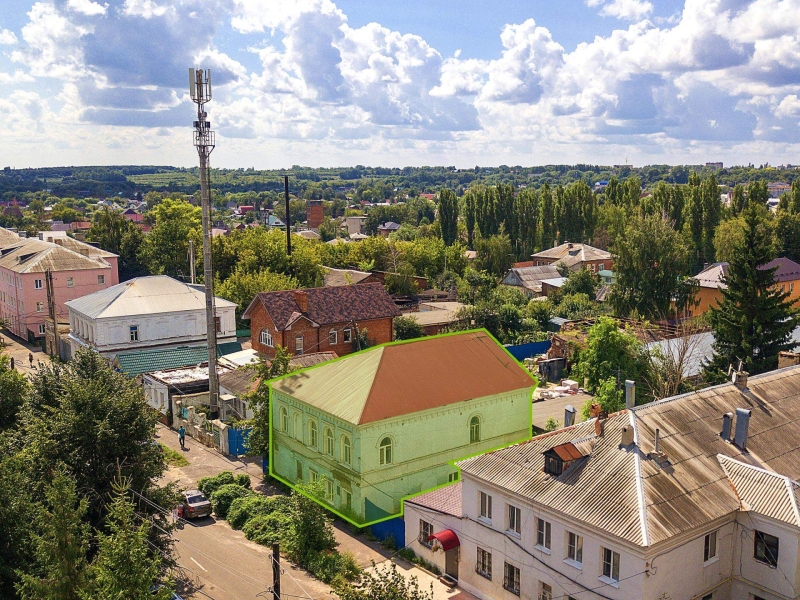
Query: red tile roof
[[327, 305]]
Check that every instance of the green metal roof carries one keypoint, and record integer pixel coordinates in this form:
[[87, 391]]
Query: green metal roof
[[147, 361]]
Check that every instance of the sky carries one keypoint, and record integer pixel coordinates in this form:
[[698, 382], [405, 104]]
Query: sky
[[402, 83]]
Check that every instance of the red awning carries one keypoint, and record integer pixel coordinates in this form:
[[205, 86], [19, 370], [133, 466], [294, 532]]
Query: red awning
[[447, 538]]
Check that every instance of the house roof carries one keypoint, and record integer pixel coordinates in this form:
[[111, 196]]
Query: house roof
[[144, 296], [148, 361], [8, 237], [623, 491], [531, 277], [377, 384], [327, 305], [445, 500], [243, 379], [337, 277], [711, 276], [573, 254], [30, 255], [389, 225]]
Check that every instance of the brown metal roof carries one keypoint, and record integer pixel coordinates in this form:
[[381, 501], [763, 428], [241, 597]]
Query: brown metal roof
[[566, 452], [711, 276], [445, 500], [327, 305], [571, 254]]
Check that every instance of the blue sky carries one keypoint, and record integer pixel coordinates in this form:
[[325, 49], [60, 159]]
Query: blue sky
[[324, 83]]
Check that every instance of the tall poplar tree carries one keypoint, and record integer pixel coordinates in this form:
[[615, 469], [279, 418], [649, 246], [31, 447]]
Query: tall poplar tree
[[547, 218], [755, 319], [448, 215], [469, 217]]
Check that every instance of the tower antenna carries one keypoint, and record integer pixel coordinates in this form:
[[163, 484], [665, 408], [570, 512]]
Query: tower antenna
[[200, 91]]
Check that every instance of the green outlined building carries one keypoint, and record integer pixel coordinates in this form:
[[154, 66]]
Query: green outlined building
[[388, 422]]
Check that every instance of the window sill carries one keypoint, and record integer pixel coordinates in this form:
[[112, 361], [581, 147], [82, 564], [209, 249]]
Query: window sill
[[609, 581], [485, 521], [711, 561], [542, 549], [574, 564], [513, 533]]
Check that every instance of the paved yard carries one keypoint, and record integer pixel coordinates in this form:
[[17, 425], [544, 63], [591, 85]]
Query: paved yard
[[554, 407], [19, 350]]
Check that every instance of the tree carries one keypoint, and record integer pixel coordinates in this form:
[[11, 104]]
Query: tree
[[787, 234], [242, 286], [650, 263], [114, 233], [258, 399], [494, 254], [407, 328], [165, 249], [738, 202], [13, 387], [755, 319], [548, 227], [609, 396], [582, 281], [310, 527], [448, 215], [610, 353], [728, 234], [125, 567], [61, 542], [469, 217], [385, 584]]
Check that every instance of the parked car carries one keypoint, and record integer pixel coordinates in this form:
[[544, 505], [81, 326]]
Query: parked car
[[195, 505]]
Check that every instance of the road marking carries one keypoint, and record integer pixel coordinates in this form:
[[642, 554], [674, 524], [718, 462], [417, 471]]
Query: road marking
[[198, 564]]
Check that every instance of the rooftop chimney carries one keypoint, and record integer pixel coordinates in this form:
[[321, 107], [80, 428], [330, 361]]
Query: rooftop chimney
[[599, 423], [301, 298], [742, 427], [630, 394], [594, 410], [627, 435], [740, 379], [727, 425], [657, 448], [569, 415]]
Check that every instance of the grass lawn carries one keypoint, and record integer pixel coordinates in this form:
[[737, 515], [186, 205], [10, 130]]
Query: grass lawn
[[173, 457]]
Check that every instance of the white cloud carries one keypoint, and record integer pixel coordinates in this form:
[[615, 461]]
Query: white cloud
[[7, 37], [87, 7], [631, 10], [788, 107]]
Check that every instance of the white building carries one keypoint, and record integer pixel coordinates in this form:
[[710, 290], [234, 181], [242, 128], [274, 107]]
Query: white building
[[602, 510], [146, 313]]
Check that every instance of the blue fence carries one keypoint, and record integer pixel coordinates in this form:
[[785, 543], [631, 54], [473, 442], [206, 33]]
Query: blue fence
[[395, 528], [237, 438], [529, 350]]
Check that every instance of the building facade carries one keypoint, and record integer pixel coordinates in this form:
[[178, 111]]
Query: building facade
[[385, 423], [146, 313], [326, 319], [77, 269], [652, 502]]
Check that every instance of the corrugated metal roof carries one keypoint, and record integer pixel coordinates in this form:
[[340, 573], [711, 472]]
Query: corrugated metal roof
[[30, 255], [8, 237], [711, 276], [144, 296], [571, 254], [148, 361], [398, 379], [688, 491], [763, 492], [338, 277], [530, 276]]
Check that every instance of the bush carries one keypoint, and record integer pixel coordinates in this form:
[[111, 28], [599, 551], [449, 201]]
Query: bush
[[266, 529], [243, 479], [222, 499], [330, 566], [245, 508], [209, 485]]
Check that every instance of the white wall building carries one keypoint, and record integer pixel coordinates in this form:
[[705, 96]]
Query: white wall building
[[596, 510], [146, 313]]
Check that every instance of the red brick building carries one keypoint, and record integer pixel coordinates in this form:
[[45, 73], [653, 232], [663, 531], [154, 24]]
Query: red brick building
[[314, 213], [324, 319]]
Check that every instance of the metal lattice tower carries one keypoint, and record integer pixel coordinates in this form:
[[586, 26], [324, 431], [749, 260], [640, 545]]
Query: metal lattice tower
[[200, 90]]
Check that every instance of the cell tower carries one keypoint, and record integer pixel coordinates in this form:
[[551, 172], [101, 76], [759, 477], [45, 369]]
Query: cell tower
[[200, 90]]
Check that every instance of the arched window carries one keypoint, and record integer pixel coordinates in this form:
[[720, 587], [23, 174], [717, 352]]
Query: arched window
[[312, 434], [386, 451], [266, 338], [474, 429], [298, 343], [347, 449], [284, 419], [327, 436], [297, 428]]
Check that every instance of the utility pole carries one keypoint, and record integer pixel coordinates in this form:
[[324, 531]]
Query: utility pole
[[200, 90], [288, 217], [51, 309], [276, 571], [191, 263]]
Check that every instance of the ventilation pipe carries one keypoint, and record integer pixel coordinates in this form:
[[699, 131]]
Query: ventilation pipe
[[727, 425], [657, 449], [630, 394], [569, 415], [742, 427]]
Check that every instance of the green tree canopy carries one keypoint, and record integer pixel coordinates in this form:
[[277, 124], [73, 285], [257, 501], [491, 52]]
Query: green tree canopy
[[165, 249], [407, 328]]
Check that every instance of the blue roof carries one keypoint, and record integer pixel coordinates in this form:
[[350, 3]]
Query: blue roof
[[148, 361]]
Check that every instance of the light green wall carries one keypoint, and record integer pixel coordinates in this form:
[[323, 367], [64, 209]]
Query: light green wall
[[423, 445]]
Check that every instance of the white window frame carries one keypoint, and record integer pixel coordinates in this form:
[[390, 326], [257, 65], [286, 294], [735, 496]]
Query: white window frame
[[347, 335], [543, 535], [710, 554], [299, 348], [133, 333], [514, 520], [485, 507], [574, 549], [328, 441], [40, 307], [609, 561], [101, 280], [474, 429], [313, 434], [70, 282], [425, 531], [37, 284], [41, 329], [333, 337], [285, 421], [328, 489], [386, 452], [347, 450]]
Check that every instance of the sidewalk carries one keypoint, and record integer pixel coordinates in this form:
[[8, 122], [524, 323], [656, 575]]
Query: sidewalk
[[19, 350]]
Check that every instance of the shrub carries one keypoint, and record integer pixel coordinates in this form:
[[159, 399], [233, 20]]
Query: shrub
[[242, 479], [209, 485], [245, 508], [266, 529], [222, 498], [330, 566]]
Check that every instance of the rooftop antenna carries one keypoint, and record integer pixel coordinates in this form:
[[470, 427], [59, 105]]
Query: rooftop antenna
[[200, 91]]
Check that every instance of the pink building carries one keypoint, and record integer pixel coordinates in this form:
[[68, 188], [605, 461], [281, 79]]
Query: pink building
[[78, 269]]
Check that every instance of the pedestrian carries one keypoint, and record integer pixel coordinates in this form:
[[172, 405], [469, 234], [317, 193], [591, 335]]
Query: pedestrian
[[30, 358], [182, 437], [12, 363]]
